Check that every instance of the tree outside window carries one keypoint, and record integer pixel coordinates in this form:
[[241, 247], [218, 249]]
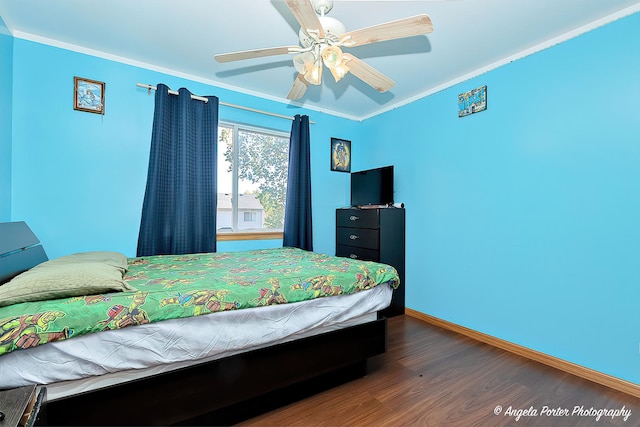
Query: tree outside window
[[252, 178]]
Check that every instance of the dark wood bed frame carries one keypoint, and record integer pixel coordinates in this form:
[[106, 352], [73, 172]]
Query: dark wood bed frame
[[220, 392]]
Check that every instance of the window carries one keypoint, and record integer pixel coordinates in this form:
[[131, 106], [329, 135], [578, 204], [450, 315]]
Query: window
[[252, 179]]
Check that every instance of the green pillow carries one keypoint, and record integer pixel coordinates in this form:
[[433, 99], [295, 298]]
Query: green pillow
[[115, 259], [53, 280]]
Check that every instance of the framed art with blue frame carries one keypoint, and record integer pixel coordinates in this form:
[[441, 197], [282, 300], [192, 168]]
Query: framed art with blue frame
[[472, 101], [340, 155]]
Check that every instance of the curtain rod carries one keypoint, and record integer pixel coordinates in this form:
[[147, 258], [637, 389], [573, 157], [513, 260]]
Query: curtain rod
[[201, 98]]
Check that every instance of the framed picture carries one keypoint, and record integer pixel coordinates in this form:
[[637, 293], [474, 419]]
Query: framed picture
[[340, 155], [473, 101], [88, 95]]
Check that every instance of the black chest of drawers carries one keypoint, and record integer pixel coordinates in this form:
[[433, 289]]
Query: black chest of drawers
[[374, 235]]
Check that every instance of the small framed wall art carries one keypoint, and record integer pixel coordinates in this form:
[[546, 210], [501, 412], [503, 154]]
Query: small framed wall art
[[340, 155], [472, 101], [88, 95]]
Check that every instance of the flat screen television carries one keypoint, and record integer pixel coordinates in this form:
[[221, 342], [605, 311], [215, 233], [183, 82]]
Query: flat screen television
[[372, 187]]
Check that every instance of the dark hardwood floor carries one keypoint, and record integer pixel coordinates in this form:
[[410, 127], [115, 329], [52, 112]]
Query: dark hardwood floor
[[432, 377]]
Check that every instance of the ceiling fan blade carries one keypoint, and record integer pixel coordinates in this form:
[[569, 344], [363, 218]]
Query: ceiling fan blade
[[306, 16], [299, 88], [368, 74], [407, 27], [254, 53]]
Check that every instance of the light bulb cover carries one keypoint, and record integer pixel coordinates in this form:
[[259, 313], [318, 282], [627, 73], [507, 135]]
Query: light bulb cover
[[303, 61], [314, 74], [339, 71], [331, 56]]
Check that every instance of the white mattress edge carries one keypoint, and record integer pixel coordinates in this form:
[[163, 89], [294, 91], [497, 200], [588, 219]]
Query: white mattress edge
[[108, 358]]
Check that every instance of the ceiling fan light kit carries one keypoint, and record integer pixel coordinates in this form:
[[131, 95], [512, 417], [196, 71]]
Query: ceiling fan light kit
[[303, 61], [331, 56], [321, 38], [314, 74], [339, 71], [335, 62]]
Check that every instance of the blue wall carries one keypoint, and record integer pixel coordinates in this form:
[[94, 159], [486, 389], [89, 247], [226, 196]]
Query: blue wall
[[523, 220], [6, 80], [79, 178]]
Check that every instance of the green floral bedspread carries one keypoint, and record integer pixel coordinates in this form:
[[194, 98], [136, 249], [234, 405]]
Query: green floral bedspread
[[172, 286]]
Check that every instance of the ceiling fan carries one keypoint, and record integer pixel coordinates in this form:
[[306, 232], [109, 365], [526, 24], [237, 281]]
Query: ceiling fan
[[321, 39]]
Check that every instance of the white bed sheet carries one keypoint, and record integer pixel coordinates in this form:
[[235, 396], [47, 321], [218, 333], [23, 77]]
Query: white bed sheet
[[105, 358]]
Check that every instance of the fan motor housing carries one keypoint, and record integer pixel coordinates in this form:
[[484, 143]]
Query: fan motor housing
[[333, 29]]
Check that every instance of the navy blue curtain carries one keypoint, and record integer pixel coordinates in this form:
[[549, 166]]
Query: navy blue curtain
[[297, 214], [180, 201]]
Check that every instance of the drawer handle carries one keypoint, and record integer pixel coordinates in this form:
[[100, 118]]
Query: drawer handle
[[354, 218], [354, 256], [354, 237]]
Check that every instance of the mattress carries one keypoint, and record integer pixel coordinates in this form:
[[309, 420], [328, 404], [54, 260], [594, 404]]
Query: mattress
[[110, 357], [65, 298]]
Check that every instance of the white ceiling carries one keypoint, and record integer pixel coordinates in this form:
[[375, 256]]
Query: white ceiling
[[181, 37]]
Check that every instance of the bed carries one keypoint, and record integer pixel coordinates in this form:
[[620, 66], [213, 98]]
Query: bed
[[201, 339]]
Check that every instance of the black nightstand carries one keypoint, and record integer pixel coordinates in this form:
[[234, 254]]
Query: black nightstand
[[21, 406]]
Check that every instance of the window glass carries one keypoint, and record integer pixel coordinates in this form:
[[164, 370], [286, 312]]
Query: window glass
[[252, 179]]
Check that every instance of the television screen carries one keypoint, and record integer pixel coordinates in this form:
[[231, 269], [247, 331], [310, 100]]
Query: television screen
[[372, 187]]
